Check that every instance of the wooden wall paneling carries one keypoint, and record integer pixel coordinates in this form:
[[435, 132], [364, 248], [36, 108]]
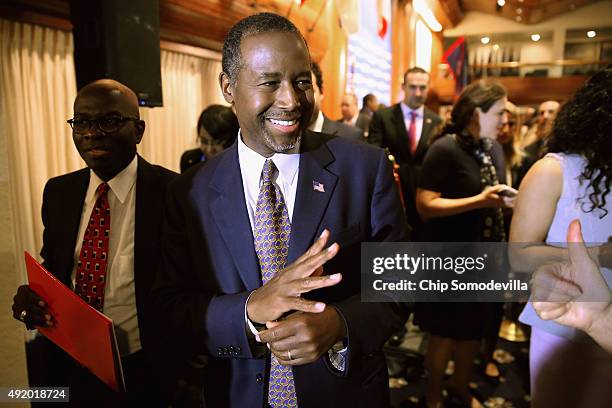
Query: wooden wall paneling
[[334, 61]]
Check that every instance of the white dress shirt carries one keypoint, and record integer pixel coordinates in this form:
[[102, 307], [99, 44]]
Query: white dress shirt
[[406, 111], [119, 295]]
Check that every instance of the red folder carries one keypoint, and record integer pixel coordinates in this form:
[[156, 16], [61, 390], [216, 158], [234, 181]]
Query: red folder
[[79, 329]]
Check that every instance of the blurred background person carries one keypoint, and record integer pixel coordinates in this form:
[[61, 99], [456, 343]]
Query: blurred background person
[[321, 123], [571, 182], [535, 139], [510, 139], [349, 109], [217, 130], [459, 194], [369, 106], [405, 129]]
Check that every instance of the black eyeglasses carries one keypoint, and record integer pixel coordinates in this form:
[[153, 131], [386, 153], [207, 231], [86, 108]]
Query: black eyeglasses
[[107, 124]]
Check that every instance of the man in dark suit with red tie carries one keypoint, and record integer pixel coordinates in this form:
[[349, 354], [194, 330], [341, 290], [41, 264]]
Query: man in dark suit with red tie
[[246, 237], [101, 238], [405, 129]]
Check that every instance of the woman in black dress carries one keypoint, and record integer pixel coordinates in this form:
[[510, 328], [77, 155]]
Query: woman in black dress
[[459, 197]]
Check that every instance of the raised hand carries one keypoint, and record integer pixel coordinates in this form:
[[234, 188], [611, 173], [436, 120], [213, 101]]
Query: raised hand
[[281, 294], [571, 293]]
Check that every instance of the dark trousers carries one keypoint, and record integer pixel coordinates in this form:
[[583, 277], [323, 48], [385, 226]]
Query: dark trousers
[[50, 366]]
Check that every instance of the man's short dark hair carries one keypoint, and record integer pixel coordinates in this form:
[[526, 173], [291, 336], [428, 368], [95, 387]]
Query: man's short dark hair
[[316, 71], [256, 24], [414, 70], [367, 99], [220, 122]]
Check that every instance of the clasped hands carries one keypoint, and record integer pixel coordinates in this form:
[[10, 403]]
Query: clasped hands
[[312, 328]]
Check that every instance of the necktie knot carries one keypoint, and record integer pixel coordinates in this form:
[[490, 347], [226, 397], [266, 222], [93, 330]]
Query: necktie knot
[[413, 115], [102, 189], [268, 171]]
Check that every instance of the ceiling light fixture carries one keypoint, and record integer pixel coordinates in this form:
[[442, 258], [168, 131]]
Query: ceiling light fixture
[[501, 3], [519, 11], [591, 33], [535, 37], [495, 47], [485, 40], [518, 18]]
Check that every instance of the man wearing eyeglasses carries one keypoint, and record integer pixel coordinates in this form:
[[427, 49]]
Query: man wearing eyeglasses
[[102, 225]]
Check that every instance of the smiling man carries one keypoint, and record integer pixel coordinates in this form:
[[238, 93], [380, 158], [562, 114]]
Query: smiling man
[[260, 265], [102, 225]]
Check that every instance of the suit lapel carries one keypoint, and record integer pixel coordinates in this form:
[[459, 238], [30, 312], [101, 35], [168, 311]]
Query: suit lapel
[[228, 209], [315, 187], [428, 126], [329, 126], [73, 209]]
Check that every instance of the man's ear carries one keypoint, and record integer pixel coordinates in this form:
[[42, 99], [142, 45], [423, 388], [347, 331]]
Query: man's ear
[[140, 128], [226, 88]]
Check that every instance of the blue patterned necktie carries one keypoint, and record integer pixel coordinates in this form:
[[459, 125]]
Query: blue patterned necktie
[[272, 231]]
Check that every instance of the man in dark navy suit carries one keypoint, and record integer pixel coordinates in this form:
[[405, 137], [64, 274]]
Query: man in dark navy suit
[[248, 274]]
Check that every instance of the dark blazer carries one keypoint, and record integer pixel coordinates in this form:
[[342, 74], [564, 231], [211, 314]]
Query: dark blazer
[[210, 267], [388, 130], [62, 207], [191, 158], [332, 127], [363, 119]]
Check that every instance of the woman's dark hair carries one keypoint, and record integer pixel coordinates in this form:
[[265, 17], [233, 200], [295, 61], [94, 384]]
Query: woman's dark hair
[[583, 127], [220, 122], [481, 94]]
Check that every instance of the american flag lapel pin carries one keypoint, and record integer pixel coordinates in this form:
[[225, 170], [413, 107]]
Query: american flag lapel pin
[[316, 186]]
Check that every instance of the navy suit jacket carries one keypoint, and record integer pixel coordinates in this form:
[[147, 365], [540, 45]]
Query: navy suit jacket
[[209, 268]]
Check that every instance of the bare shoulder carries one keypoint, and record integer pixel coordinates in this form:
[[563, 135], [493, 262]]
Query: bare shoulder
[[544, 177]]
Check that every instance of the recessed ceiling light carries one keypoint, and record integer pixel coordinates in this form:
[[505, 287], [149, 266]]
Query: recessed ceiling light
[[535, 37], [501, 3], [519, 11], [518, 18], [485, 40], [591, 33], [496, 47]]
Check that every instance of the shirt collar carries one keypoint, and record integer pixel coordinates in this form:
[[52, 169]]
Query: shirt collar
[[120, 185], [406, 110], [253, 162], [317, 126]]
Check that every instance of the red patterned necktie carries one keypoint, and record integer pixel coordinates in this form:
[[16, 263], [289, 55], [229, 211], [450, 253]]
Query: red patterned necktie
[[272, 231], [412, 136], [93, 257]]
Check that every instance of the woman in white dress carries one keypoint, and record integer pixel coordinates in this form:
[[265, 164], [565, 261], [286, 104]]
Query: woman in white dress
[[573, 181]]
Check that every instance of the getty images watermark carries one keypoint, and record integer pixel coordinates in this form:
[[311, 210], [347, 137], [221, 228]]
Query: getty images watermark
[[440, 272]]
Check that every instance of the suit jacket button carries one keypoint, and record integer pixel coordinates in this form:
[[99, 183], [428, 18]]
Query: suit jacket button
[[238, 350], [259, 378], [219, 351]]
